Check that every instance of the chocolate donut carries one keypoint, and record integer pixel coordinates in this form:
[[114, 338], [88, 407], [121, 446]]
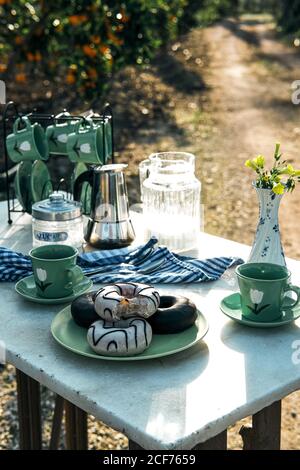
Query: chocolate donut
[[175, 314], [83, 309]]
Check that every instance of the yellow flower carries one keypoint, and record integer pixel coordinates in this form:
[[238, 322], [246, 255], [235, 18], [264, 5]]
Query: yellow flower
[[297, 173], [251, 164], [287, 170], [259, 161], [278, 188]]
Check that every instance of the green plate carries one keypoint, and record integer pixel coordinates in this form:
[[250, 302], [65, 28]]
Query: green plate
[[40, 181], [86, 190], [27, 289], [231, 306], [22, 185], [73, 337]]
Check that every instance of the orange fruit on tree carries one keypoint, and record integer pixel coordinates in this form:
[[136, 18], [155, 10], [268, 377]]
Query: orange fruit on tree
[[95, 39], [76, 20], [18, 39], [30, 56], [3, 68], [89, 51], [20, 77], [92, 73], [70, 78]]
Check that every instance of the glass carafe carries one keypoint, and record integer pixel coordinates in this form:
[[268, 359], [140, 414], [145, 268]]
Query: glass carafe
[[171, 200]]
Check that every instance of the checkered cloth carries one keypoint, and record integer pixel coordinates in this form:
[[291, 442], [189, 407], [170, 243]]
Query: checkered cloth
[[149, 264]]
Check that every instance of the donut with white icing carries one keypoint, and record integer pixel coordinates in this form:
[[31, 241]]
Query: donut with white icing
[[126, 337], [123, 300]]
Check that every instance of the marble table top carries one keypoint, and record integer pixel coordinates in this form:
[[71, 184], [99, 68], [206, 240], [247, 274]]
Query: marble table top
[[169, 403]]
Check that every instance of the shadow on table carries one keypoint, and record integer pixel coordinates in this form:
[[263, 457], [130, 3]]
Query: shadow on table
[[268, 364]]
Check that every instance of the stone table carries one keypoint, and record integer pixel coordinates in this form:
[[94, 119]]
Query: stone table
[[176, 402]]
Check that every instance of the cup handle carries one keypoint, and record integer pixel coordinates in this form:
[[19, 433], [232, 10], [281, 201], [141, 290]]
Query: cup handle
[[61, 115], [18, 121], [291, 288], [74, 275]]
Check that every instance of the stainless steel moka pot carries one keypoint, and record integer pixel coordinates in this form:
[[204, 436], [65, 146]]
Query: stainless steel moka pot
[[109, 225]]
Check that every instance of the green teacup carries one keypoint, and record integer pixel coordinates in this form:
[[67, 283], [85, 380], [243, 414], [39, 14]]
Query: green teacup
[[263, 288], [57, 134], [27, 143], [85, 144], [55, 271]]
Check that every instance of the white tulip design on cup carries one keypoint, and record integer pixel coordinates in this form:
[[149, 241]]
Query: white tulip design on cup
[[85, 148], [25, 146], [256, 297], [62, 138], [42, 277]]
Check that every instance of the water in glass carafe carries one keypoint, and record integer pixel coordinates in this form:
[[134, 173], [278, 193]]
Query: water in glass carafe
[[171, 200]]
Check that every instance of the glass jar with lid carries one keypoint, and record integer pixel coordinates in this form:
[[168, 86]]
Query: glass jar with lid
[[171, 200], [57, 220]]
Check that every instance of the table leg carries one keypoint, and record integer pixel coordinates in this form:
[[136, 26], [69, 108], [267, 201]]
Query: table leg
[[265, 431], [134, 446], [29, 412], [218, 442], [76, 427], [57, 422]]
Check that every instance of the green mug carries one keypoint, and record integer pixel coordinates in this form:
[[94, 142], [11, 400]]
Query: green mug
[[85, 144], [57, 134], [263, 288], [105, 127], [55, 271], [27, 143]]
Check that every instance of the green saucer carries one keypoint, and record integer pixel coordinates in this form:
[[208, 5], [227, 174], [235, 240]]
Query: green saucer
[[40, 181], [22, 187], [26, 288], [86, 190], [231, 306], [73, 337]]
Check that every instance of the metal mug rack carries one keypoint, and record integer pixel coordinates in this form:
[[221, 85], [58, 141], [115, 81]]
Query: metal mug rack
[[11, 113]]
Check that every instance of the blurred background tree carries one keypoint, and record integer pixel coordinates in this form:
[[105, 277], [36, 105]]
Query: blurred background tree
[[86, 41]]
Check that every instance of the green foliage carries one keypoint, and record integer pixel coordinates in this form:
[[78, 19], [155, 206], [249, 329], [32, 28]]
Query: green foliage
[[289, 15], [86, 41], [212, 10]]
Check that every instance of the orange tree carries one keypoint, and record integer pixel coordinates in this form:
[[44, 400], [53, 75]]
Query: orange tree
[[83, 41]]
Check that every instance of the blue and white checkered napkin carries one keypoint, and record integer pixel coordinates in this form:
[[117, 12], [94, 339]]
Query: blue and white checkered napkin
[[149, 264]]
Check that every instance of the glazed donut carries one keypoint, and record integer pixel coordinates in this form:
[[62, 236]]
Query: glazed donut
[[175, 314], [125, 337], [126, 299], [83, 309]]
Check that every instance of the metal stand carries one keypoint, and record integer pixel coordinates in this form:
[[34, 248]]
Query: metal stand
[[11, 113]]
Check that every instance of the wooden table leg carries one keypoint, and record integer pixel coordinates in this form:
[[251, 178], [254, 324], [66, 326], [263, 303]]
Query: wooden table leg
[[76, 427], [57, 423], [29, 411], [133, 445], [218, 442], [265, 431]]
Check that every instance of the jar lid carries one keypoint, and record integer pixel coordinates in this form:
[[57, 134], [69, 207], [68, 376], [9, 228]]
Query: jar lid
[[56, 208]]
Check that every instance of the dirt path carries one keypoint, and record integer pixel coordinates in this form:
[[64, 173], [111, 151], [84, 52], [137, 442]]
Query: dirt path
[[250, 78]]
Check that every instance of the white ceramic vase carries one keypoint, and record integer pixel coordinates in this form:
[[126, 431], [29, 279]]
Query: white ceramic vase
[[267, 247]]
